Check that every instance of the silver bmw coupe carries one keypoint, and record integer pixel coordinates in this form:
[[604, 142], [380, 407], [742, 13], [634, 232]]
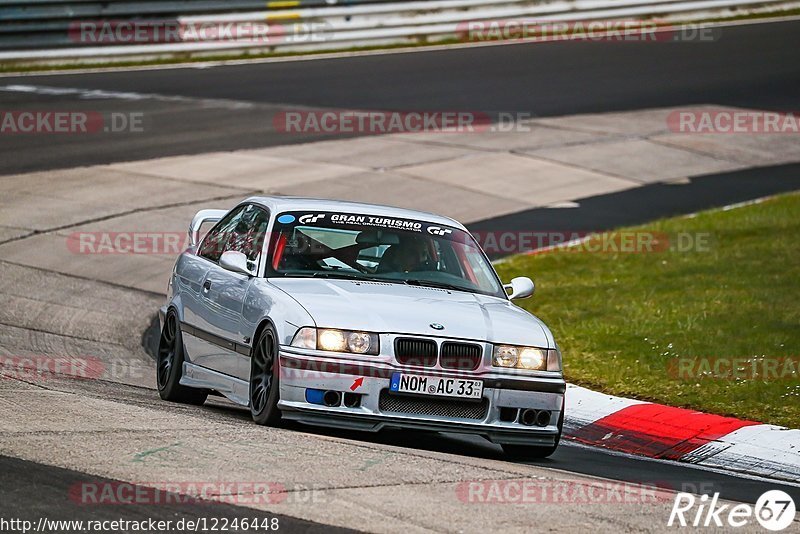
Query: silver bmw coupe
[[357, 316]]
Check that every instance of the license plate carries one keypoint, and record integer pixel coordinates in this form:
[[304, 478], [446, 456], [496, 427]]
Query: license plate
[[436, 385]]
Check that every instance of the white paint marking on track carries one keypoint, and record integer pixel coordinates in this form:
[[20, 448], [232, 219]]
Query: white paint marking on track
[[99, 94]]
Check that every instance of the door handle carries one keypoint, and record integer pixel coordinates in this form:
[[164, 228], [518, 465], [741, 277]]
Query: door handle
[[207, 285]]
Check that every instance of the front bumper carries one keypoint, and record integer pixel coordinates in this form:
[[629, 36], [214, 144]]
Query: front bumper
[[379, 409]]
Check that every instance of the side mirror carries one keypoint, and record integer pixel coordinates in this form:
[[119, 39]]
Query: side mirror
[[520, 287], [235, 261]]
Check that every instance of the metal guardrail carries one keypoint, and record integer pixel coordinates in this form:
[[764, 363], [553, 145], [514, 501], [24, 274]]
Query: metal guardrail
[[19, 11], [47, 23], [289, 24]]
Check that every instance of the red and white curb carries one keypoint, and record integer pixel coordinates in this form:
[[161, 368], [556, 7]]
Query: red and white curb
[[658, 431]]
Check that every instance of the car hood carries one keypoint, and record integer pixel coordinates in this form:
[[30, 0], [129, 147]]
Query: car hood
[[404, 309]]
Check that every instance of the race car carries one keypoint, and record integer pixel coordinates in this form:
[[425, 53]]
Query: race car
[[357, 316]]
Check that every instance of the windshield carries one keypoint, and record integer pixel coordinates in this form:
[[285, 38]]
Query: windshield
[[371, 247]]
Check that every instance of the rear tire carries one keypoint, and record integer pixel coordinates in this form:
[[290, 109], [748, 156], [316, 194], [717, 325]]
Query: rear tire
[[169, 365], [265, 379]]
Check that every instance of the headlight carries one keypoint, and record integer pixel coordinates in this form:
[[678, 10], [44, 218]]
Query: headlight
[[334, 340], [529, 358], [505, 356], [359, 342], [331, 340]]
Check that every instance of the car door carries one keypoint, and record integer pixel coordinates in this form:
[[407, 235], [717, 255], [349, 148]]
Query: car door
[[199, 344], [190, 271], [223, 293]]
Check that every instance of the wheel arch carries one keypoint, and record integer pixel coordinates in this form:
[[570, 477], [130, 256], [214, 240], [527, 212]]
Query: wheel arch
[[262, 325], [175, 305]]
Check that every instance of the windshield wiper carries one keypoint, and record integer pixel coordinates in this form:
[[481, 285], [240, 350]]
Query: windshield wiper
[[334, 274], [438, 285], [340, 275]]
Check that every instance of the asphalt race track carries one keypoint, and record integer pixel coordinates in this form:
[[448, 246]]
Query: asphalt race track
[[231, 107], [637, 206], [47, 493], [197, 110]]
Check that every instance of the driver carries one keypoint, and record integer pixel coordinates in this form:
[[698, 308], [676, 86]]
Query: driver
[[407, 256]]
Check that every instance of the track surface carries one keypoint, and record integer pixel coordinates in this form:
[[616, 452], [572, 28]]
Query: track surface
[[642, 204], [49, 492], [751, 66]]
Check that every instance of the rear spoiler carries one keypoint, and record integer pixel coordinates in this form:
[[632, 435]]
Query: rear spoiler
[[203, 216]]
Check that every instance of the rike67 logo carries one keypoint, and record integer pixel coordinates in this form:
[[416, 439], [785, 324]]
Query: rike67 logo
[[774, 510]]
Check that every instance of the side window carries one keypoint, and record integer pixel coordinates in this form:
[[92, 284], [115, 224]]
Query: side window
[[249, 232], [242, 230], [213, 244]]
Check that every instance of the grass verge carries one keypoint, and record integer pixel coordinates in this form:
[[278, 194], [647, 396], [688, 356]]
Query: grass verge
[[684, 328]]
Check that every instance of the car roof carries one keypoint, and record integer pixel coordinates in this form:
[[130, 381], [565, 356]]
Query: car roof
[[278, 204]]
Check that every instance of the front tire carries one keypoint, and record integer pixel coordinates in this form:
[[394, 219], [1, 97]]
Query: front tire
[[169, 365], [528, 452], [265, 379]]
